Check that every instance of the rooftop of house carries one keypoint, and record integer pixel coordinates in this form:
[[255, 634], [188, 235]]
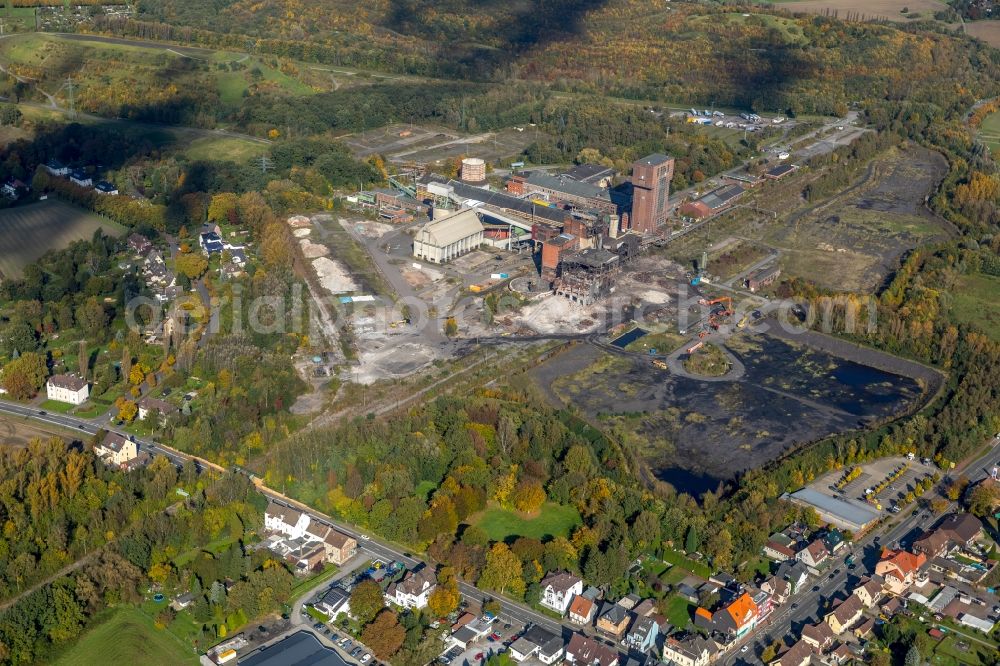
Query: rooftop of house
[[581, 606], [287, 514], [113, 441], [959, 527], [560, 581], [589, 651], [70, 382], [797, 654], [819, 632], [847, 609], [906, 562], [742, 610], [417, 580], [162, 406], [614, 614]]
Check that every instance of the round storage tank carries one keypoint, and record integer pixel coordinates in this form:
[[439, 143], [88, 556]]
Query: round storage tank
[[473, 170]]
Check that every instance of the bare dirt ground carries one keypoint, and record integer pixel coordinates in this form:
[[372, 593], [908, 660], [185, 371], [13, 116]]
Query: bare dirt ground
[[14, 433], [887, 9], [988, 31]]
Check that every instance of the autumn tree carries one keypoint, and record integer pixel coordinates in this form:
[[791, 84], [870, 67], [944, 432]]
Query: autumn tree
[[529, 496], [445, 597], [503, 571], [366, 601], [127, 409], [91, 317], [191, 264], [24, 376], [221, 207], [385, 635]]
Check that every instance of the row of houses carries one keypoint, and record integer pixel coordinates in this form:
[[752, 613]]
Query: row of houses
[[307, 541], [79, 177]]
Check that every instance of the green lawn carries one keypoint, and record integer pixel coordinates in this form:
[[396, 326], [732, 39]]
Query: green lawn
[[127, 636], [313, 581], [56, 406], [224, 148], [974, 301], [552, 521], [682, 561], [678, 612], [989, 131]]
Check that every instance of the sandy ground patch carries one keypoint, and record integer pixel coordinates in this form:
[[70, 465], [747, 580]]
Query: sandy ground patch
[[419, 278], [333, 276], [554, 314], [299, 221], [301, 233], [368, 229], [312, 250], [391, 359], [470, 262]]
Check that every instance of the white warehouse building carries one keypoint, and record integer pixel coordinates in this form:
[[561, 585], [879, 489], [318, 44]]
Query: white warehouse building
[[442, 240]]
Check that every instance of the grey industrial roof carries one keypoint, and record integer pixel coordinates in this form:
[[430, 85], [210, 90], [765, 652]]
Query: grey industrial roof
[[589, 173], [841, 513], [300, 649], [501, 200], [722, 196], [568, 185], [780, 170]]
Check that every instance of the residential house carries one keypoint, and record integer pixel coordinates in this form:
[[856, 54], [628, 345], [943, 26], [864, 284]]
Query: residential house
[[645, 608], [629, 601], [286, 520], [737, 618], [309, 557], [690, 650], [581, 610], [182, 601], [56, 168], [149, 404], [800, 654], [538, 643], [414, 588], [813, 555], [12, 188], [839, 655], [586, 651], [780, 547], [795, 573], [818, 635], [139, 244], [80, 178], [338, 547], [335, 602], [864, 629], [642, 636], [116, 449], [687, 592], [104, 187], [558, 590], [900, 569], [614, 620], [834, 541], [210, 242], [869, 592], [67, 388], [778, 588], [956, 530], [763, 601], [845, 614]]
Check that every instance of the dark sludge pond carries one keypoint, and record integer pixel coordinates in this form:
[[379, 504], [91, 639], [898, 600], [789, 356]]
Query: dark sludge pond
[[699, 434]]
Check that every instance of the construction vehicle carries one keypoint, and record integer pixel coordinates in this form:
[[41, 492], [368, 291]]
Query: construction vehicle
[[659, 364], [695, 347], [743, 321]]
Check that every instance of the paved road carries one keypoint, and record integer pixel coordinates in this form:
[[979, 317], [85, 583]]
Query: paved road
[[811, 605]]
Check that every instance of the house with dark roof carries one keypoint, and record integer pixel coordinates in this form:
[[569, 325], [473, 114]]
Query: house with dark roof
[[845, 614], [338, 547], [586, 651], [538, 643], [413, 590], [139, 244], [819, 635], [285, 520], [70, 389], [800, 654], [104, 187], [80, 178], [116, 449], [796, 573], [813, 555], [558, 590], [689, 650], [869, 591], [334, 602], [614, 620], [954, 531], [148, 404], [778, 588]]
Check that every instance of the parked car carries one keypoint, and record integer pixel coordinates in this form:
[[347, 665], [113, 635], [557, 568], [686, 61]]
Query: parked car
[[356, 651], [366, 658], [479, 656]]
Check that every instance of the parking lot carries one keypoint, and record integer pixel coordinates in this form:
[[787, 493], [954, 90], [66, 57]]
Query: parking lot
[[872, 474], [503, 634]]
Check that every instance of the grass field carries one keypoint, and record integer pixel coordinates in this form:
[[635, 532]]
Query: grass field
[[989, 130], [28, 232], [684, 562], [127, 636], [974, 301], [16, 433], [678, 611], [234, 149], [553, 520]]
